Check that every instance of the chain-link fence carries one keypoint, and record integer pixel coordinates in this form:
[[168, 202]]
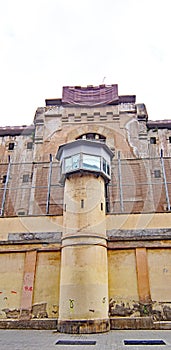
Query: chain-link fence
[[137, 185]]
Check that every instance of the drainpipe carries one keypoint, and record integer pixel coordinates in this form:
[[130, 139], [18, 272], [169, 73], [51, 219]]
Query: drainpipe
[[49, 185], [5, 187], [120, 183], [165, 180]]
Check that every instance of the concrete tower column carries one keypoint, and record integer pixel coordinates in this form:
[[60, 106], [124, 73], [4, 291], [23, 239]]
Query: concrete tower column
[[83, 306]]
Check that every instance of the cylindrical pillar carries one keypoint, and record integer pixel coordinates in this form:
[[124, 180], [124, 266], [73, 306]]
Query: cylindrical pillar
[[83, 306]]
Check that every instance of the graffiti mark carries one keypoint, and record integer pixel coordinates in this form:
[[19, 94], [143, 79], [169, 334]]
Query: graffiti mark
[[28, 289], [54, 309], [13, 292], [104, 300], [165, 270], [71, 301], [91, 310]]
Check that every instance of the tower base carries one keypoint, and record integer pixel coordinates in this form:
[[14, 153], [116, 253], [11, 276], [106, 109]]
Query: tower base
[[83, 326]]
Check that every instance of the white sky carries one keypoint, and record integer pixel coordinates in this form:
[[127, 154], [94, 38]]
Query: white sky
[[46, 44]]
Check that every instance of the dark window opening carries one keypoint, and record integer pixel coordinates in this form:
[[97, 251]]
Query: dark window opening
[[153, 140], [107, 198], [82, 203], [11, 146], [21, 213], [4, 179], [157, 173], [29, 145], [101, 206], [26, 178], [92, 137], [108, 169], [169, 139]]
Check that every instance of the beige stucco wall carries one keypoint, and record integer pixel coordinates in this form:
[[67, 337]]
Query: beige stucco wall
[[159, 264], [11, 280], [46, 287], [138, 221], [55, 223], [84, 283], [122, 276], [29, 224]]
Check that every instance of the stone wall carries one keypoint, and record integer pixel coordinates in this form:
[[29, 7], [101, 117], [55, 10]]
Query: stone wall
[[139, 268]]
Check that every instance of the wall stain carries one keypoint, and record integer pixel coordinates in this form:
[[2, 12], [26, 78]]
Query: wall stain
[[159, 311]]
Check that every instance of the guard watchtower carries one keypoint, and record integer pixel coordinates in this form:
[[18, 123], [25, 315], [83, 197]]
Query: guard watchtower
[[85, 169]]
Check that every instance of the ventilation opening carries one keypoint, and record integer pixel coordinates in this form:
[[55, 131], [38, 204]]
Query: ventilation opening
[[76, 342], [144, 342]]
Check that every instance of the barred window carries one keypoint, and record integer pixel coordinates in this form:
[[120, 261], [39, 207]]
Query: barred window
[[29, 145], [26, 178], [157, 173]]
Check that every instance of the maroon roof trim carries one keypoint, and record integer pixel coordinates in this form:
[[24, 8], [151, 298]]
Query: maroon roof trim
[[16, 130], [159, 124]]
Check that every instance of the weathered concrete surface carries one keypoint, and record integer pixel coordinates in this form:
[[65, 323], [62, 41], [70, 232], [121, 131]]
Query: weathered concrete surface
[[141, 234], [36, 340], [131, 323], [29, 324], [35, 236], [116, 323]]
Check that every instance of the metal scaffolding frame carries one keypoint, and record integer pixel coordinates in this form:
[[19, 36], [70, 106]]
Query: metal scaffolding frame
[[133, 187]]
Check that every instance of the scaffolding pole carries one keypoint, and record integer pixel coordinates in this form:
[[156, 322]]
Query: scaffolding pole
[[120, 183], [5, 187], [49, 185], [165, 180]]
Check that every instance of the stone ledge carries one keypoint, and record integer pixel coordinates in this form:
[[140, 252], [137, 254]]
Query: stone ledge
[[44, 324], [131, 323], [162, 325], [35, 236], [83, 326], [116, 323], [141, 234]]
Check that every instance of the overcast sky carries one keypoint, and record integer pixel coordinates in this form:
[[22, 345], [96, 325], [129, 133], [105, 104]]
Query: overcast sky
[[47, 44]]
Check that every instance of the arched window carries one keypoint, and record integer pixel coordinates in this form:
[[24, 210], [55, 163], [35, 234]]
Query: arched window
[[92, 137]]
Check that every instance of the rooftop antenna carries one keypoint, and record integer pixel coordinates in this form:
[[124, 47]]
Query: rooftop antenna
[[103, 80]]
